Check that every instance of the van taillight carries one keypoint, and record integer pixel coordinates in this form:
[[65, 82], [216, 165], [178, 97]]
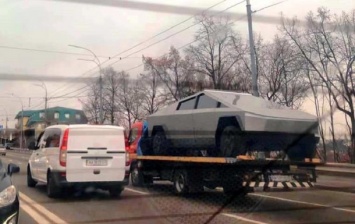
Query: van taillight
[[63, 148]]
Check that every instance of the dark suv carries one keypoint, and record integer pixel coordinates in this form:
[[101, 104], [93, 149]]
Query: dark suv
[[9, 202]]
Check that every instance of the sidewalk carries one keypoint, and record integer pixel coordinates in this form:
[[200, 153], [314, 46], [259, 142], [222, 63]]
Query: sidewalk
[[15, 149]]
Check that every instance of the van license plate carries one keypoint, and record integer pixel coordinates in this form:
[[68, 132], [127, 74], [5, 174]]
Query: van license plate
[[96, 162]]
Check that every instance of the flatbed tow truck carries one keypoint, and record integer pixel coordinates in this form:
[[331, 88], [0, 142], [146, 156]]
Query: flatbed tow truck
[[239, 175]]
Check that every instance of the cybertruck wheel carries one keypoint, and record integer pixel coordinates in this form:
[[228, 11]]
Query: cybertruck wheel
[[160, 143], [231, 142]]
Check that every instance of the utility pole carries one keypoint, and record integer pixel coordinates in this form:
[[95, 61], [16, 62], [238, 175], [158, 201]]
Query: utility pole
[[252, 51], [43, 85], [5, 132], [6, 128]]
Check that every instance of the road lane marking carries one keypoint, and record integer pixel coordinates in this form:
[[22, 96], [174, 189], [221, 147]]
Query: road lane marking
[[303, 202], [242, 218], [225, 214], [51, 216], [136, 191], [34, 214]]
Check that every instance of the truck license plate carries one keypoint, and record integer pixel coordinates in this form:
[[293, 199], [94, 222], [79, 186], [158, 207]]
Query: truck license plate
[[281, 178], [96, 162]]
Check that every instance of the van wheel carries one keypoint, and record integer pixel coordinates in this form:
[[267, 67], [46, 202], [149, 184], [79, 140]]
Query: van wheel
[[160, 143], [231, 144], [116, 191], [53, 191], [30, 181]]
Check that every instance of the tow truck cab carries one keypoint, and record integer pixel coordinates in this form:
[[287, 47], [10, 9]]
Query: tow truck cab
[[134, 135]]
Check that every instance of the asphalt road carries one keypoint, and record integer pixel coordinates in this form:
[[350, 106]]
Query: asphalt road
[[330, 202]]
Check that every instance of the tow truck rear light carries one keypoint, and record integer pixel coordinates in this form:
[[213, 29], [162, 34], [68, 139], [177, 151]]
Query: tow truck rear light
[[63, 148], [128, 160], [126, 143]]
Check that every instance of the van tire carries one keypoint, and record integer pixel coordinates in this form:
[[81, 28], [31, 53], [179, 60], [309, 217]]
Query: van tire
[[116, 191], [53, 190], [30, 181]]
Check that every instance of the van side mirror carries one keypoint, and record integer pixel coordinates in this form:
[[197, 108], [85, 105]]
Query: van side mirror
[[32, 145], [12, 168]]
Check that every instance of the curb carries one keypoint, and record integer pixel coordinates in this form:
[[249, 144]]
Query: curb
[[17, 150], [335, 173], [338, 189]]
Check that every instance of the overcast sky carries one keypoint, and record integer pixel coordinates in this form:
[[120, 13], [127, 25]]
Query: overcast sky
[[107, 31]]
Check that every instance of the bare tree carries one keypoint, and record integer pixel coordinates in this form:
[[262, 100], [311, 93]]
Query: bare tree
[[328, 41], [174, 73], [110, 93], [282, 77], [129, 99], [91, 103], [152, 96], [214, 55]]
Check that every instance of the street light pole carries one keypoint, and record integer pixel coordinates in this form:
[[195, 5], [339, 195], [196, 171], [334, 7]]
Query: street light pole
[[21, 118], [100, 79], [45, 102], [5, 133], [252, 52]]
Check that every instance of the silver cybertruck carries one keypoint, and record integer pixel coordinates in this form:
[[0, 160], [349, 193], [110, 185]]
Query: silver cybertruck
[[228, 124]]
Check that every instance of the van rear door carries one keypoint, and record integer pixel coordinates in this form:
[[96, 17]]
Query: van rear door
[[95, 154]]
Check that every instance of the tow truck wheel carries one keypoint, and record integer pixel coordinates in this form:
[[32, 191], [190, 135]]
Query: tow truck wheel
[[137, 179], [180, 182], [231, 142]]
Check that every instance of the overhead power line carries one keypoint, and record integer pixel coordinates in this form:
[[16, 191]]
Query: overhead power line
[[180, 31], [176, 34], [171, 9], [47, 78], [188, 44], [85, 88], [48, 51], [242, 17], [148, 39]]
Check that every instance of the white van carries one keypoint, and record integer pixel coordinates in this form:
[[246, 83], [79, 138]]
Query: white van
[[79, 155]]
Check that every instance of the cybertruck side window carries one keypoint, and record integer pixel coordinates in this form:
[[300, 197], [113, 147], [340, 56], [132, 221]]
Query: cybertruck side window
[[205, 102], [187, 104], [221, 105]]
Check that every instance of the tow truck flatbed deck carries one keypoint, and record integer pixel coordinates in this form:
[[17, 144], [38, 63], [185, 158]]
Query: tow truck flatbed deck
[[240, 160]]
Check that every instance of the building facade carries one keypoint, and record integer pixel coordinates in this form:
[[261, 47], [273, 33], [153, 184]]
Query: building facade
[[30, 123]]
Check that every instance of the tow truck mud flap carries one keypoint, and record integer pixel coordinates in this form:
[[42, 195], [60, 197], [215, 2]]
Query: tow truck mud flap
[[276, 184], [269, 181]]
